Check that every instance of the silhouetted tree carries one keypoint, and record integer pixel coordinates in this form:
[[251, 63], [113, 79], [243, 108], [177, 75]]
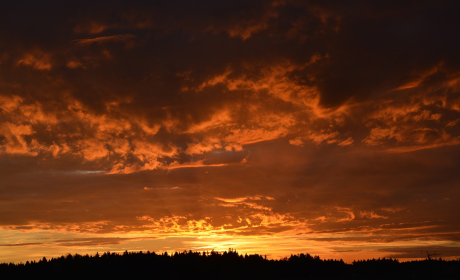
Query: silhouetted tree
[[224, 265]]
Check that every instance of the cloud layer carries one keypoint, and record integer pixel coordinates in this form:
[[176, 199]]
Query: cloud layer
[[331, 122]]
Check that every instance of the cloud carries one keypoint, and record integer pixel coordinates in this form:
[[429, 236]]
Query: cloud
[[371, 215], [346, 142], [105, 39], [39, 61], [20, 244], [307, 121], [15, 143], [206, 145], [296, 142], [176, 165]]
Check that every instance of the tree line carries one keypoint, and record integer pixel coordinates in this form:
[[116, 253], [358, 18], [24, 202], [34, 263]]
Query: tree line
[[224, 265]]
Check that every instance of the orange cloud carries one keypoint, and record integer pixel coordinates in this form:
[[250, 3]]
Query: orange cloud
[[371, 215], [206, 145], [9, 104], [418, 79], [38, 60], [322, 136], [241, 199], [346, 142], [219, 119], [105, 39], [15, 143], [296, 142], [92, 149], [239, 137], [199, 163], [275, 81]]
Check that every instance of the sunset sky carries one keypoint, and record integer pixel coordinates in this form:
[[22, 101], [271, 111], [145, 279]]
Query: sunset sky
[[271, 127]]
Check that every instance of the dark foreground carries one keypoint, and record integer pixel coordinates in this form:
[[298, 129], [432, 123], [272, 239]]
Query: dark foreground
[[226, 265]]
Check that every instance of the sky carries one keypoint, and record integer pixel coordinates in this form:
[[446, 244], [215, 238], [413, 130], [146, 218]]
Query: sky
[[271, 127]]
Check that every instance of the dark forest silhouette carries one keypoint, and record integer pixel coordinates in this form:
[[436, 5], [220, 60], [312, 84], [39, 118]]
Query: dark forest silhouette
[[225, 265]]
